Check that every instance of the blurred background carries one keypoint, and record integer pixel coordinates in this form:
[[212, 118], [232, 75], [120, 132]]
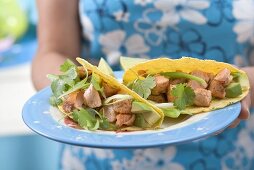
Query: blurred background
[[20, 148]]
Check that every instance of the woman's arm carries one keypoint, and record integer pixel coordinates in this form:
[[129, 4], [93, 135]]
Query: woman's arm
[[58, 38]]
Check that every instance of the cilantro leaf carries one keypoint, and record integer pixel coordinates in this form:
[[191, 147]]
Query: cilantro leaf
[[58, 87], [67, 65], [184, 96], [87, 119], [143, 87], [54, 101], [52, 77], [80, 85], [69, 76], [64, 82]]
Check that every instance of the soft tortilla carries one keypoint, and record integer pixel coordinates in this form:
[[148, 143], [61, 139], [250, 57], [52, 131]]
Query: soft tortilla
[[187, 64]]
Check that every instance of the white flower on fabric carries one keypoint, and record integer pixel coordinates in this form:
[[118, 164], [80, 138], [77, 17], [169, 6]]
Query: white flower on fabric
[[244, 28], [236, 160], [122, 16], [70, 162], [99, 153], [182, 9], [243, 149], [150, 159], [143, 2], [115, 43], [246, 137], [153, 30], [87, 25]]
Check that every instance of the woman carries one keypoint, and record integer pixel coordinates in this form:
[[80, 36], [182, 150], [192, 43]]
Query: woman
[[219, 30]]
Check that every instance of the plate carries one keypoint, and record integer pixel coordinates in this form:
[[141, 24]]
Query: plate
[[46, 121]]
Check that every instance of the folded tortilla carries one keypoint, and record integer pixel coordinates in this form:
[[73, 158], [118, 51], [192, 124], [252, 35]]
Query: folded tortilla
[[187, 65], [124, 90]]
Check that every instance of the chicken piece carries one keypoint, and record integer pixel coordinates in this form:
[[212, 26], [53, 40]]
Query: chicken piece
[[79, 100], [76, 98], [109, 90], [177, 81], [170, 97], [224, 77], [217, 89], [67, 106], [205, 76], [162, 84], [123, 106], [125, 119], [109, 113], [203, 97], [201, 74], [92, 97], [158, 98], [195, 85], [73, 100]]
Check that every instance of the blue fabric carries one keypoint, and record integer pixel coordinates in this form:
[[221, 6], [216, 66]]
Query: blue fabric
[[219, 30], [28, 152]]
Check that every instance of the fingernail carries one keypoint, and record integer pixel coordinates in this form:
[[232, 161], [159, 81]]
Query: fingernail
[[248, 110]]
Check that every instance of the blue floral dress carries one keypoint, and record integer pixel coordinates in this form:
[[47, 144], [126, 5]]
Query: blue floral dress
[[219, 30]]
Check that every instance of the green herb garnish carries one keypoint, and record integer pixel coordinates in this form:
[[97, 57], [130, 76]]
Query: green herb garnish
[[184, 96], [143, 87], [90, 119]]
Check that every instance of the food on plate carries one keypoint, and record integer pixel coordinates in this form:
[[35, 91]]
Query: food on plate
[[187, 85], [92, 98]]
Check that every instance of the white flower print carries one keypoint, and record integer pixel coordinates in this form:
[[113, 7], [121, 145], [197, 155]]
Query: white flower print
[[70, 162], [174, 10], [122, 16], [99, 153], [235, 160], [244, 28], [246, 137], [116, 42], [243, 151], [87, 25], [154, 31], [143, 2], [149, 159]]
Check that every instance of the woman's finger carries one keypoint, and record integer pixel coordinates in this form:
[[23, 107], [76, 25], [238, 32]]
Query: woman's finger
[[245, 111], [235, 123]]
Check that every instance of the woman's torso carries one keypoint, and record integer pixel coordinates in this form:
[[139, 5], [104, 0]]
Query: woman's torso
[[220, 30]]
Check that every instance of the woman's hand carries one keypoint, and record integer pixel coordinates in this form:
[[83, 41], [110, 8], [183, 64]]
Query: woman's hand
[[248, 101], [59, 38]]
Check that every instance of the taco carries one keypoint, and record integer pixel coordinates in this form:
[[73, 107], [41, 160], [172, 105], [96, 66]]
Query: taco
[[187, 85], [96, 100]]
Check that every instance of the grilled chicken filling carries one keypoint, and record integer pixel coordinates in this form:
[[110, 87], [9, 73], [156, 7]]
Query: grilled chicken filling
[[119, 112], [214, 87]]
